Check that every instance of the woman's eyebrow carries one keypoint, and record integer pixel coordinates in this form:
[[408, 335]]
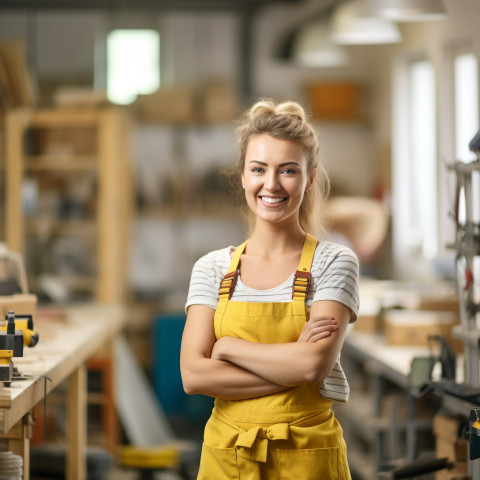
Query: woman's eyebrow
[[281, 165]]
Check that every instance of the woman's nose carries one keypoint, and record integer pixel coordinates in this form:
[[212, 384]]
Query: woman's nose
[[271, 182]]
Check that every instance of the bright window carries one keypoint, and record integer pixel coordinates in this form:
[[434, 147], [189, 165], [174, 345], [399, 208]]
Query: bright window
[[422, 170], [466, 104], [133, 64]]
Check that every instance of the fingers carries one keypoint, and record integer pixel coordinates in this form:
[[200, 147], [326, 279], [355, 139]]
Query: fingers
[[317, 328], [324, 320]]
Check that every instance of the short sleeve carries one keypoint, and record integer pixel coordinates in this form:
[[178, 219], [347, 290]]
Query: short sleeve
[[207, 274], [335, 276]]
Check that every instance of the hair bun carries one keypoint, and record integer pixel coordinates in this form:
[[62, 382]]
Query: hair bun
[[262, 108], [268, 107], [291, 109]]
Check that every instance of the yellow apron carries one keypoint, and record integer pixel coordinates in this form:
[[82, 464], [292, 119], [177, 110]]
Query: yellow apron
[[291, 435]]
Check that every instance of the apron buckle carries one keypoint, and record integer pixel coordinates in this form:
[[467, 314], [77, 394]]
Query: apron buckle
[[227, 285], [301, 283]]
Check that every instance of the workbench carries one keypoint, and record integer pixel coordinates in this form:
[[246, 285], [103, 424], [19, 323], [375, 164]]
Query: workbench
[[364, 414], [66, 343], [371, 366]]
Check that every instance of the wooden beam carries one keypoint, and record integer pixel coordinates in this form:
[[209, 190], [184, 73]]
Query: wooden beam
[[77, 425]]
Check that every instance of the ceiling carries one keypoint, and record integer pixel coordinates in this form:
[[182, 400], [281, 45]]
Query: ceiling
[[191, 5]]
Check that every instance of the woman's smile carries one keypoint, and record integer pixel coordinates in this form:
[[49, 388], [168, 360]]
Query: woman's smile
[[272, 201]]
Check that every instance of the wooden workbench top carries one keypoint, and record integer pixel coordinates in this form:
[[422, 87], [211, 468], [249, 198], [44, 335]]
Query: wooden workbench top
[[68, 338]]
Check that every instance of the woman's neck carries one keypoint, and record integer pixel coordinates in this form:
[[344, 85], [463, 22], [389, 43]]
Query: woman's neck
[[270, 239]]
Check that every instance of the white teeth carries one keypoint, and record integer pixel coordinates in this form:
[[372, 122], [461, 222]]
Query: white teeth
[[272, 200]]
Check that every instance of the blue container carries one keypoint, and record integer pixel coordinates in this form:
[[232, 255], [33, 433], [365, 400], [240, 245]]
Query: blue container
[[166, 378]]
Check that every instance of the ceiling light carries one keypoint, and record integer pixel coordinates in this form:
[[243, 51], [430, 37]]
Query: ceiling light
[[354, 24], [409, 10], [313, 47]]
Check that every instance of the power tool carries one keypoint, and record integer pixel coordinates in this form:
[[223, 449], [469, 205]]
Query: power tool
[[18, 308], [14, 334]]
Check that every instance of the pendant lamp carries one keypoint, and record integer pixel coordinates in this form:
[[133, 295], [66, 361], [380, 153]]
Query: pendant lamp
[[314, 48], [353, 24], [409, 10]]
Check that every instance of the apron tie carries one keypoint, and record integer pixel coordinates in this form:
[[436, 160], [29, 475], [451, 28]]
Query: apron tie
[[253, 443]]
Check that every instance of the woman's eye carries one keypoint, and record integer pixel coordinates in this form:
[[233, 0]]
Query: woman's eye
[[257, 170], [289, 171]]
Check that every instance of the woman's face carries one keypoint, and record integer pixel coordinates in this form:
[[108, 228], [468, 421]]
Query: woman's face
[[275, 178]]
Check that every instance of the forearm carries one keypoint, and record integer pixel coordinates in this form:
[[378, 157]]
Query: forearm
[[310, 359], [221, 379], [288, 364]]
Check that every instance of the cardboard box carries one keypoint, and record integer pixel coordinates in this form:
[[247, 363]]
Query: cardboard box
[[448, 443], [218, 101], [334, 101], [367, 323], [65, 141], [369, 319], [451, 475], [21, 304], [455, 451], [412, 327], [167, 105], [447, 427]]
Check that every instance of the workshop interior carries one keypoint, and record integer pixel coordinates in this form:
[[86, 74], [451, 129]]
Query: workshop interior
[[117, 125]]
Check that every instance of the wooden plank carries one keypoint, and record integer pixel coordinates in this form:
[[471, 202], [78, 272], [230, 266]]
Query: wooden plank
[[5, 396], [15, 126], [61, 162], [109, 256], [19, 442], [77, 425], [64, 117]]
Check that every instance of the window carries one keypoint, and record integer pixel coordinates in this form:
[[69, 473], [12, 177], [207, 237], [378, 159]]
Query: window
[[422, 169], [466, 104], [465, 70], [415, 177], [133, 64]]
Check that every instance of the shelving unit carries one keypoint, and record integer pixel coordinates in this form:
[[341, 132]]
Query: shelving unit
[[48, 151]]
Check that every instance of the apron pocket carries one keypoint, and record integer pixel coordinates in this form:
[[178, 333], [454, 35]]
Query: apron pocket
[[218, 464], [309, 464]]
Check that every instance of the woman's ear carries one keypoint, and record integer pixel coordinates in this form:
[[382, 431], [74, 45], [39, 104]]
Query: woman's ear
[[311, 179]]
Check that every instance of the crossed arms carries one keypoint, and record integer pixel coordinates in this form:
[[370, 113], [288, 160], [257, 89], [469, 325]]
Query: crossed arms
[[235, 369]]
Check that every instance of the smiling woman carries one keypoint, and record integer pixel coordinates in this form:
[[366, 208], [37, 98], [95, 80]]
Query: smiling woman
[[275, 178], [266, 320], [287, 125]]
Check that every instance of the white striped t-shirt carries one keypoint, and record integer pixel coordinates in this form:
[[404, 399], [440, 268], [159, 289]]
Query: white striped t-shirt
[[334, 277]]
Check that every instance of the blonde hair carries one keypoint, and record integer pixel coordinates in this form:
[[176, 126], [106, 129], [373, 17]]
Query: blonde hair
[[288, 121]]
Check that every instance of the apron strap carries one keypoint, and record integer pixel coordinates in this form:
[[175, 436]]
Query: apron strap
[[229, 281], [301, 281], [303, 277], [227, 285]]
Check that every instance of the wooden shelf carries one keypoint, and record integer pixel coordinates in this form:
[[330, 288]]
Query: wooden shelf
[[79, 282], [96, 398], [73, 227], [107, 157], [63, 163], [63, 117], [189, 212]]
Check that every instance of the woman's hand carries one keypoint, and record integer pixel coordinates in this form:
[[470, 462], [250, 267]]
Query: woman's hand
[[317, 328]]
